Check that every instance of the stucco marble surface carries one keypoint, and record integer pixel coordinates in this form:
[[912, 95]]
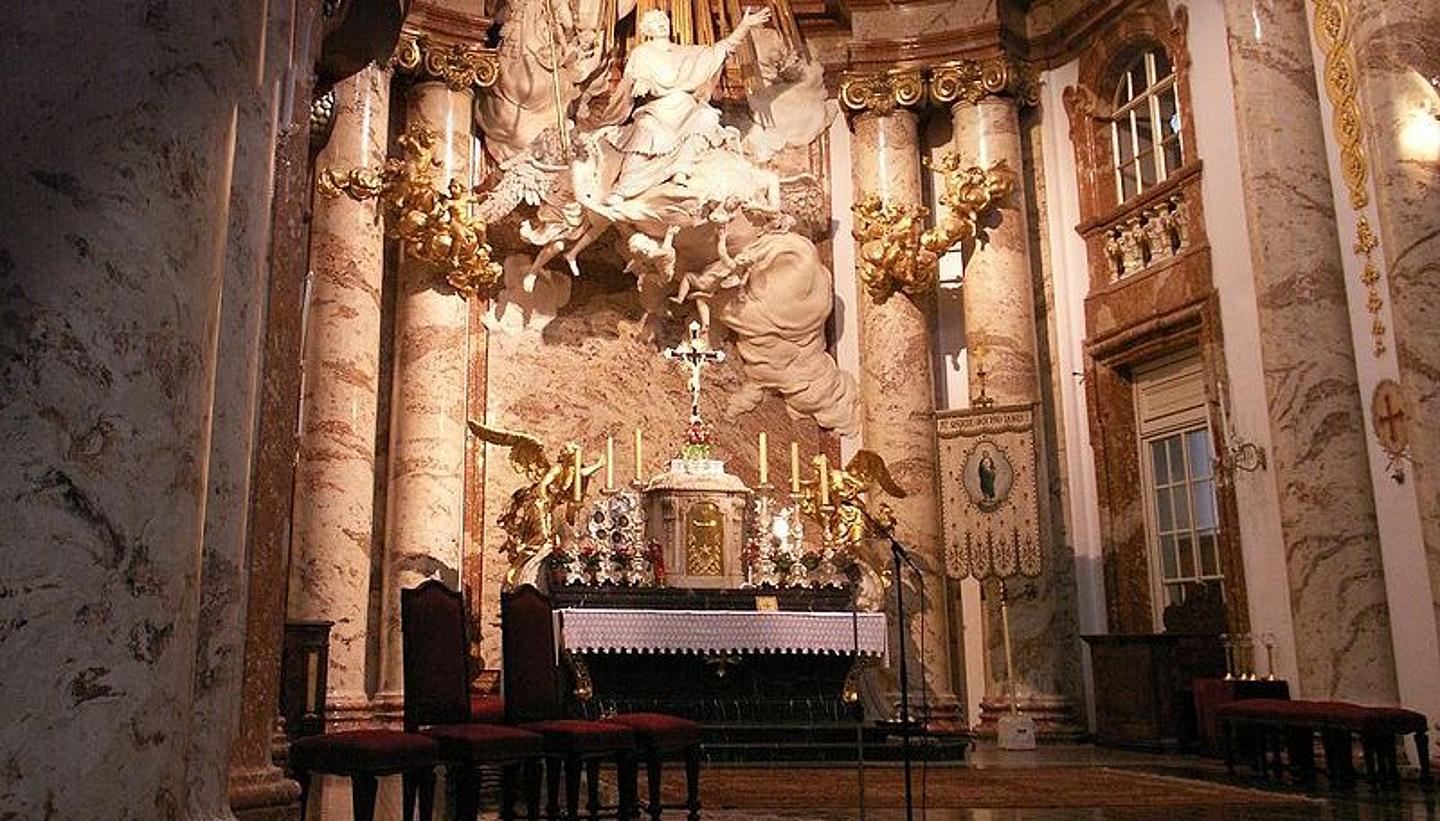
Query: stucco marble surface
[[596, 371], [897, 384], [425, 497], [1397, 45], [1337, 588], [894, 21], [136, 184], [998, 294], [335, 477]]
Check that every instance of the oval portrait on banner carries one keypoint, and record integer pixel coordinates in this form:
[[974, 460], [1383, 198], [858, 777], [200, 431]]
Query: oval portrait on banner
[[988, 475]]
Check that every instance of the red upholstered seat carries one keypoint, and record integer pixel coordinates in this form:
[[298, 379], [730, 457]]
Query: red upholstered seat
[[659, 731], [487, 709], [483, 743], [1393, 720], [362, 751], [582, 737]]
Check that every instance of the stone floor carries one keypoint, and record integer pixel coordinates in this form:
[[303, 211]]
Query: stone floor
[[1411, 803]]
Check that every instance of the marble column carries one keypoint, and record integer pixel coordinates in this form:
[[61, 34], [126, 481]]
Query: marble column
[[426, 490], [1000, 335], [897, 390], [259, 790], [335, 476], [136, 180], [1318, 458], [1397, 48]]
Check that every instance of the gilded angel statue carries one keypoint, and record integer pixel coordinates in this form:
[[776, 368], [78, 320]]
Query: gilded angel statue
[[853, 526], [532, 529]]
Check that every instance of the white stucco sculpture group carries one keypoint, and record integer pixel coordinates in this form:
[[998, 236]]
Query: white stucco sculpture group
[[648, 163]]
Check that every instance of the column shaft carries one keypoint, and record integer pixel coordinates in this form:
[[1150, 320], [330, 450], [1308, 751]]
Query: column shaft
[[897, 389], [1397, 55], [1319, 462], [1000, 334], [335, 479], [426, 490], [258, 790], [132, 209]]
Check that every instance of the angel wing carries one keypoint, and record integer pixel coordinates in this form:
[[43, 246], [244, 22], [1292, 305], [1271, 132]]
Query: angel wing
[[868, 467], [527, 454]]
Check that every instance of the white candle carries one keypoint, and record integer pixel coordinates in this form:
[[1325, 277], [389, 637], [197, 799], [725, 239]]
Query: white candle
[[609, 463], [824, 479], [639, 458], [578, 463], [795, 467], [764, 459]]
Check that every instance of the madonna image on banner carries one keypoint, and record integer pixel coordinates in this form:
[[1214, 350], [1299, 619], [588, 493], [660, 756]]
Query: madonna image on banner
[[988, 475]]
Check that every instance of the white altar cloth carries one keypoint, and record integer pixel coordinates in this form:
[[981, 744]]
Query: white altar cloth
[[616, 630]]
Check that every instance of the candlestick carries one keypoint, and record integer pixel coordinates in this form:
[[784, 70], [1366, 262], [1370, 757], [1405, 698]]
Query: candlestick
[[795, 467], [764, 459], [824, 462], [578, 464], [639, 458], [609, 463]]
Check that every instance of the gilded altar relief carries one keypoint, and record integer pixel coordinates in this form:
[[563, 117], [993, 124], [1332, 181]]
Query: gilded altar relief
[[988, 492]]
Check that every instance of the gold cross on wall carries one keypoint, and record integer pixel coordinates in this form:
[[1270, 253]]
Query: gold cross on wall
[[695, 354]]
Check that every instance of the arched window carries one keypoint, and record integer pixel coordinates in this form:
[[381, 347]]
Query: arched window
[[1145, 130]]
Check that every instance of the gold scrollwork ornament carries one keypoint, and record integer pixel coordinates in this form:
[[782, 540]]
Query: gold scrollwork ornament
[[881, 92], [459, 66], [971, 81]]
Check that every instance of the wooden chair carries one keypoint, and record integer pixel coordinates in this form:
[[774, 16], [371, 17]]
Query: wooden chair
[[437, 704], [363, 756], [534, 701]]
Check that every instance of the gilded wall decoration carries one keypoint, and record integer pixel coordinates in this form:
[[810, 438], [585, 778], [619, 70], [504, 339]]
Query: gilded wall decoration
[[1332, 32], [989, 492], [435, 225], [898, 254]]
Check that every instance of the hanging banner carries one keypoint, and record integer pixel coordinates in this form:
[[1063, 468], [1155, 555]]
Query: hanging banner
[[988, 492]]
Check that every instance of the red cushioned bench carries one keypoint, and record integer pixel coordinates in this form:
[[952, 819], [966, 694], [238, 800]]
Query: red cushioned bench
[[1272, 726]]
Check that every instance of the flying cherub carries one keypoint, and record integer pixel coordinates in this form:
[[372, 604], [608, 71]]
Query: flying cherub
[[532, 530], [855, 525]]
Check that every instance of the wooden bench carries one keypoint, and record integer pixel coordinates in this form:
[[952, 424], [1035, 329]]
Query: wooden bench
[[1268, 727]]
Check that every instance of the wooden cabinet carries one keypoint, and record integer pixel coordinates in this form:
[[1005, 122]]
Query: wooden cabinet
[[1143, 687]]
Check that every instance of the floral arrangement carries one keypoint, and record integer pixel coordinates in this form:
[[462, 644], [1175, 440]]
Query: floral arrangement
[[698, 444]]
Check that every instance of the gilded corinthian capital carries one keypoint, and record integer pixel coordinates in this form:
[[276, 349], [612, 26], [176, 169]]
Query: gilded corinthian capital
[[880, 92], [970, 81], [458, 66]]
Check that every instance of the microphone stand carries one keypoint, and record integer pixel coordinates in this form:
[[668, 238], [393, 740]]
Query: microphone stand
[[899, 555]]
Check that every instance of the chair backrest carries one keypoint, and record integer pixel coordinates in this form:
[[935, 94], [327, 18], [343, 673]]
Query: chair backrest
[[434, 654], [531, 675]]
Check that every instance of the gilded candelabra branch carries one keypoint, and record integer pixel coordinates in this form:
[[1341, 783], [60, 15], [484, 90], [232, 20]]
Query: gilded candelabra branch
[[898, 254], [435, 225]]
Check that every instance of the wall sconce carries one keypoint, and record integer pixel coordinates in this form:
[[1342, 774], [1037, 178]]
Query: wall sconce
[[1239, 454]]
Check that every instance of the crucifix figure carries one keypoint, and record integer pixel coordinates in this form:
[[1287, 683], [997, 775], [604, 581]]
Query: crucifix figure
[[695, 354]]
